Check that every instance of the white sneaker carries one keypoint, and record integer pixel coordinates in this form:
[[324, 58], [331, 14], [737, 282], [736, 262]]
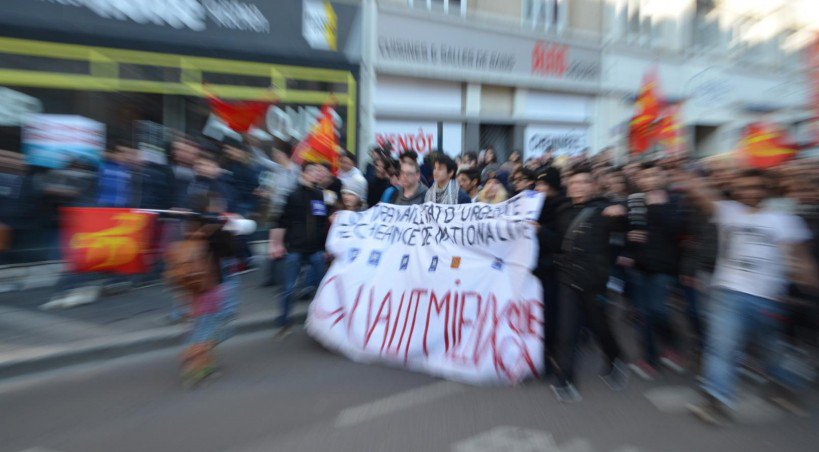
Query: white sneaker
[[85, 295]]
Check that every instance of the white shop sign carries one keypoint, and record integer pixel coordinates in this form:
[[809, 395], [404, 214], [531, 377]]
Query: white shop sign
[[568, 141]]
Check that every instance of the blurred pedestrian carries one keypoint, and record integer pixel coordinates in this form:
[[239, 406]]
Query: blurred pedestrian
[[299, 238], [654, 252], [410, 191], [583, 255], [445, 189], [493, 191], [470, 182], [758, 251]]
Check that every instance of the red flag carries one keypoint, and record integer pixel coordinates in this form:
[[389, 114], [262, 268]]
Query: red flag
[[321, 144], [643, 127], [239, 116], [669, 131], [106, 239], [764, 146]]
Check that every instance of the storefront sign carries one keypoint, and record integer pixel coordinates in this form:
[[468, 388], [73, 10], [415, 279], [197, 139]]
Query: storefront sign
[[296, 121], [51, 141], [407, 136], [445, 290], [319, 24], [14, 106], [190, 14], [564, 141], [217, 28], [445, 46]]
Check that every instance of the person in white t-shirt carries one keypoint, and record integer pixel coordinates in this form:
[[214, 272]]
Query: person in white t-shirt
[[760, 250]]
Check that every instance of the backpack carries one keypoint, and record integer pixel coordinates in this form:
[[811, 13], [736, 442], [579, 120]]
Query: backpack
[[188, 266]]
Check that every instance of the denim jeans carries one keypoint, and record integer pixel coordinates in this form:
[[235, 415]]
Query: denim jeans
[[290, 266], [734, 318], [651, 292]]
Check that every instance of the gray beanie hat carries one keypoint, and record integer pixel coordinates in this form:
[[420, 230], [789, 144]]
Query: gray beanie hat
[[355, 185]]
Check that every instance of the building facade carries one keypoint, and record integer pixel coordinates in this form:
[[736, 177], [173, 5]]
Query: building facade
[[460, 75], [121, 61]]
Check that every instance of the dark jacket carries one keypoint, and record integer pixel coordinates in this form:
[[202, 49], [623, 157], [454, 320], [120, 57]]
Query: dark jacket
[[183, 177], [582, 249], [661, 251], [375, 189], [245, 179], [221, 186], [304, 221], [700, 244], [547, 235], [157, 187]]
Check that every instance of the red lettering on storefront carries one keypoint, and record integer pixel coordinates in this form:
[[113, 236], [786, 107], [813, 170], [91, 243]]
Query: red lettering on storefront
[[549, 59]]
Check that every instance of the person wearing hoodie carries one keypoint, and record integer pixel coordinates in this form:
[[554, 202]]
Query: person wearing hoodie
[[411, 191], [445, 189]]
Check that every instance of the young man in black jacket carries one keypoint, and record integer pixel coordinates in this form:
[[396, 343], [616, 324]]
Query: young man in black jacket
[[300, 236], [578, 237], [653, 252]]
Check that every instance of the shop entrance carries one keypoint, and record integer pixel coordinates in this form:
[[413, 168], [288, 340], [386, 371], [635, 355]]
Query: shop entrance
[[499, 137]]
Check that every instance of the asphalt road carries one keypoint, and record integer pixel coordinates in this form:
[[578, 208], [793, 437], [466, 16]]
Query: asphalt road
[[295, 396]]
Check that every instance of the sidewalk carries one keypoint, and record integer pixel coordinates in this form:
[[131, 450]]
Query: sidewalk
[[32, 340]]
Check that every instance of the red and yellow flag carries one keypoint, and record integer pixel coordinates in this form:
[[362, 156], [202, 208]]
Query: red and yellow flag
[[763, 145], [106, 239], [321, 144], [643, 128], [669, 131]]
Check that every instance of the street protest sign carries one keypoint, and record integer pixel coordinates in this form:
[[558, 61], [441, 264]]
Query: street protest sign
[[442, 289], [52, 141]]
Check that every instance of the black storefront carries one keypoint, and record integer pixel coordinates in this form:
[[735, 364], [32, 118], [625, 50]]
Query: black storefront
[[121, 61]]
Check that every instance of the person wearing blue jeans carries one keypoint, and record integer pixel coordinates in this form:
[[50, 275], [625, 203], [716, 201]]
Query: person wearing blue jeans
[[736, 318], [760, 251], [291, 266], [300, 236]]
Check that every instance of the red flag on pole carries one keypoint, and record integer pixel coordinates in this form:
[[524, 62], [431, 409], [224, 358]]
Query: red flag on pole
[[321, 143], [764, 146], [643, 127], [669, 131]]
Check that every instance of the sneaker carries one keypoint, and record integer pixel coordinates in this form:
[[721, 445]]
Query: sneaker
[[712, 412], [567, 393], [673, 361], [786, 399], [283, 333], [643, 370], [617, 379]]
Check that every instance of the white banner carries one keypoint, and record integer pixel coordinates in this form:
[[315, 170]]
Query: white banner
[[441, 289]]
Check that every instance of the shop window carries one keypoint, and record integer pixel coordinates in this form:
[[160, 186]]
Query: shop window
[[216, 78], [43, 64], [149, 73], [548, 15], [311, 85], [457, 7], [706, 25]]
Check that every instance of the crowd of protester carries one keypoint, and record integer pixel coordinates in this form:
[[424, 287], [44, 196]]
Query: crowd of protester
[[703, 257]]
